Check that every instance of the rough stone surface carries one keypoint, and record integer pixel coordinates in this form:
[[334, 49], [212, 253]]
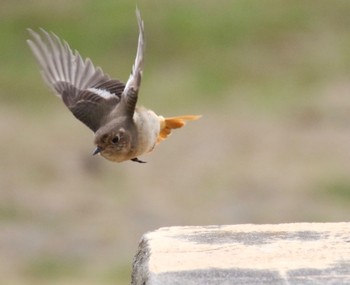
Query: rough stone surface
[[288, 254]]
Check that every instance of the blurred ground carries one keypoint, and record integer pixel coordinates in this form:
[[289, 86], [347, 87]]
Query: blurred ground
[[271, 79]]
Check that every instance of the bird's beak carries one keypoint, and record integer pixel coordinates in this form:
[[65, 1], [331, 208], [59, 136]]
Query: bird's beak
[[97, 150]]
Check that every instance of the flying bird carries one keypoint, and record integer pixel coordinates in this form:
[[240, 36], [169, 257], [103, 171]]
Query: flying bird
[[123, 131]]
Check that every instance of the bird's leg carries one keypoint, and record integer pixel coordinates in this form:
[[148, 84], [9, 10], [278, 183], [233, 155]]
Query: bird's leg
[[137, 160]]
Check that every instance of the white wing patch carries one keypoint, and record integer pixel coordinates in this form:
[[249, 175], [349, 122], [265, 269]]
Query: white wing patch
[[102, 93]]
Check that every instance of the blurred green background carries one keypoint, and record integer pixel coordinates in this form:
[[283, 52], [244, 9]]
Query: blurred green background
[[271, 79]]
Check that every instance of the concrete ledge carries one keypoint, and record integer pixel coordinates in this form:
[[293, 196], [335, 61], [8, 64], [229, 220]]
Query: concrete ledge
[[304, 253]]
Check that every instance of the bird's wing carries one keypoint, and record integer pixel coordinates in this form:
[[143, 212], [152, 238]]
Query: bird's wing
[[86, 90], [130, 92]]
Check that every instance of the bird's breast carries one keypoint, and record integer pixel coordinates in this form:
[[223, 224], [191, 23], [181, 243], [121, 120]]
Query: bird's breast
[[148, 128]]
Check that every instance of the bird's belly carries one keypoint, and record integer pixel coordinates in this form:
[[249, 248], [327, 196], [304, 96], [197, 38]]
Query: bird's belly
[[148, 128]]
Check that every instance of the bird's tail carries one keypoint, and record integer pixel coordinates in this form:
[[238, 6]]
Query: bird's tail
[[167, 124]]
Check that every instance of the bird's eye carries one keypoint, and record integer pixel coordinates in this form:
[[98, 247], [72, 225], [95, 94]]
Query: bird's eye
[[115, 140]]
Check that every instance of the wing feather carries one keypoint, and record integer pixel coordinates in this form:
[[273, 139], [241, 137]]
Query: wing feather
[[73, 78], [134, 80], [85, 89]]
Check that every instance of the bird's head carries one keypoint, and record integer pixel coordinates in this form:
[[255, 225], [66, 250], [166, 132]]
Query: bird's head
[[116, 141]]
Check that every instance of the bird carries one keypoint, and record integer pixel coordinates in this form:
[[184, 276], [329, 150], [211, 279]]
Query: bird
[[122, 129]]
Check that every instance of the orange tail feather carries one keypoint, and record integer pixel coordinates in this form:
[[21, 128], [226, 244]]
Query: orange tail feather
[[167, 124]]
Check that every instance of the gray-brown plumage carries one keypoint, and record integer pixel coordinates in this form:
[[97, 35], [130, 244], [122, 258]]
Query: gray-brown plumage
[[107, 106]]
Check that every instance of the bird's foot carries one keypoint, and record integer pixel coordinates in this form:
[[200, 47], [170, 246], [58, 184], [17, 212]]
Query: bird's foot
[[137, 160]]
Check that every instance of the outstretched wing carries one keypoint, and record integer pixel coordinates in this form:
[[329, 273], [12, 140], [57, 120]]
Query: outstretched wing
[[132, 86], [86, 90]]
